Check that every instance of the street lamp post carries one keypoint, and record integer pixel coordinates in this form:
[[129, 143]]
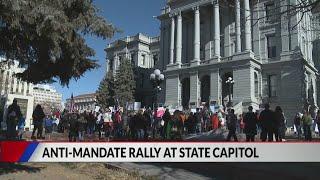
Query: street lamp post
[[156, 79], [230, 82]]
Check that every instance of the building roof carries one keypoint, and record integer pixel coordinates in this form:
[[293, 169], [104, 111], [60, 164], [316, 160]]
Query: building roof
[[138, 37], [88, 95]]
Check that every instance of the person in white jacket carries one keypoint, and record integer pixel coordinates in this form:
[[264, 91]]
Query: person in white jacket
[[107, 124]]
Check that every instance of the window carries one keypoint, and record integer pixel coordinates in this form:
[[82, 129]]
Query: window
[[132, 58], [232, 48], [155, 58], [111, 64], [272, 84], [271, 45], [142, 80], [256, 85], [270, 12], [143, 61]]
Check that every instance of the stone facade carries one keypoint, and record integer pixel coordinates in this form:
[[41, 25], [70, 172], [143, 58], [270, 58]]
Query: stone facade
[[144, 53], [271, 58], [83, 102], [12, 88]]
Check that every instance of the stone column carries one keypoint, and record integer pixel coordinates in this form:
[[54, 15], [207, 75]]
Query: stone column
[[179, 39], [172, 39], [194, 90], [196, 43], [243, 88], [216, 14], [173, 90], [237, 28], [247, 27], [215, 86], [4, 85], [115, 64]]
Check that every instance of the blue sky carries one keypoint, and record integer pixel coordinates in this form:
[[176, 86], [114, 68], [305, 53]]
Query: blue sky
[[131, 16]]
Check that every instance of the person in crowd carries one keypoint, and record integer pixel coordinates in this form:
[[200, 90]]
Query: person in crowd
[[267, 122], [132, 125], [241, 124], [147, 114], [205, 119], [38, 117], [21, 124], [215, 121], [73, 127], [117, 123], [48, 126], [220, 115], [232, 125], [140, 125], [99, 123], [63, 121], [107, 124], [148, 117], [189, 123], [280, 125], [297, 123], [81, 126], [307, 122], [198, 120], [13, 116], [317, 121], [250, 122], [90, 122], [166, 118]]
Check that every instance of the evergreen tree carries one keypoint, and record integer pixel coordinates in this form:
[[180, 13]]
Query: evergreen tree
[[105, 92], [125, 83], [47, 37]]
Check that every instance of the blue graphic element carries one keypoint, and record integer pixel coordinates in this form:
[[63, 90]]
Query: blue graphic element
[[28, 152]]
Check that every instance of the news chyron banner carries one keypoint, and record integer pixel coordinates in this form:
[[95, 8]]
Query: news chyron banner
[[25, 151]]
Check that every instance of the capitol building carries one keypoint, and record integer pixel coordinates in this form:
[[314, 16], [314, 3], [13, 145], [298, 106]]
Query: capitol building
[[267, 52], [235, 53]]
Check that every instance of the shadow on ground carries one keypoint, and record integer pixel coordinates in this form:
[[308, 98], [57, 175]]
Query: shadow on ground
[[6, 168]]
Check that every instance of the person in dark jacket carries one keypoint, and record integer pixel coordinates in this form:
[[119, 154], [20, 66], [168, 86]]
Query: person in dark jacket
[[267, 122], [297, 123], [198, 121], [38, 117], [13, 116], [166, 118], [232, 125], [280, 125], [73, 127], [250, 124]]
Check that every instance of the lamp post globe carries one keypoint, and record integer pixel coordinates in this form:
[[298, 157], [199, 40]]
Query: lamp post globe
[[152, 76], [157, 72]]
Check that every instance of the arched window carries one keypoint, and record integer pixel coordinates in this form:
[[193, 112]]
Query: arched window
[[256, 85]]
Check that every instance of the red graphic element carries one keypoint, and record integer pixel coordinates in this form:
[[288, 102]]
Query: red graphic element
[[11, 151]]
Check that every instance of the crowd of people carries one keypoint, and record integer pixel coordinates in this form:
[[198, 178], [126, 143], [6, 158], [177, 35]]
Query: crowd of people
[[162, 124]]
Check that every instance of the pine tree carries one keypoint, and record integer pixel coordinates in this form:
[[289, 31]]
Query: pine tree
[[105, 92], [48, 37], [125, 83]]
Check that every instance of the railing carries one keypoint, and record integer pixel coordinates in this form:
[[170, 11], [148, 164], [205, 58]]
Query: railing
[[229, 58], [185, 65], [140, 36], [165, 10], [205, 61]]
